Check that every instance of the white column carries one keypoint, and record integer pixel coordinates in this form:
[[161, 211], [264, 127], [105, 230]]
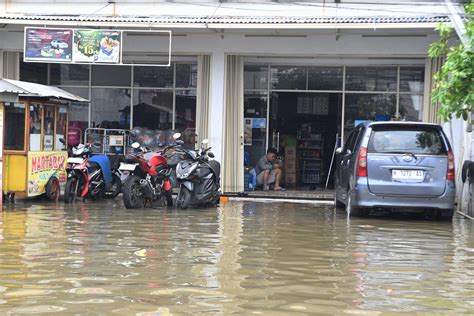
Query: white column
[[1, 63], [216, 111]]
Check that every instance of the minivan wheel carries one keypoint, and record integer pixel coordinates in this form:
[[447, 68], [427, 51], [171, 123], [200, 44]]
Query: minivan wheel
[[350, 209], [337, 204], [444, 215]]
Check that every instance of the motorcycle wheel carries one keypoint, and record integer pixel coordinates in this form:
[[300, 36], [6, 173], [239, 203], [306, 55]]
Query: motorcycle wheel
[[169, 197], [70, 190], [52, 189], [184, 198], [132, 195], [115, 187]]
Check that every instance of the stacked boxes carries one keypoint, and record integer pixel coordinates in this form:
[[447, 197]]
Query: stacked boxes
[[289, 167]]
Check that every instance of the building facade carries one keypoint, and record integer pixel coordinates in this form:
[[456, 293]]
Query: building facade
[[248, 76]]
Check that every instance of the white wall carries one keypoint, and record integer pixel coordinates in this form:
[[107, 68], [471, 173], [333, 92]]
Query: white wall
[[461, 142]]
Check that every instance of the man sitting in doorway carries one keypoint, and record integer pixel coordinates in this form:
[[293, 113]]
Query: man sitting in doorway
[[268, 171]]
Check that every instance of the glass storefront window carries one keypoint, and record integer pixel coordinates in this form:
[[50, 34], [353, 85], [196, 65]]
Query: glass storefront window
[[110, 108], [255, 135], [61, 126], [108, 75], [371, 78], [373, 107], [153, 77], [49, 118], [14, 138], [255, 77], [34, 72], [185, 119], [153, 109], [411, 106], [186, 75], [411, 79], [288, 78], [325, 78], [69, 75], [78, 116], [35, 127]]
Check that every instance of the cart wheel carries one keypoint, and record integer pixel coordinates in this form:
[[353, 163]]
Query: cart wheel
[[52, 189]]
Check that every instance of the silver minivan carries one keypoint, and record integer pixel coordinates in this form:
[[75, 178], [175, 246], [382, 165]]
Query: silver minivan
[[400, 166]]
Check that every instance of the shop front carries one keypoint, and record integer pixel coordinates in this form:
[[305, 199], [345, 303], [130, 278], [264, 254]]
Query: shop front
[[306, 111], [285, 80]]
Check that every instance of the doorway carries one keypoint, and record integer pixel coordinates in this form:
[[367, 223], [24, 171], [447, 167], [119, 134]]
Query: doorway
[[301, 126]]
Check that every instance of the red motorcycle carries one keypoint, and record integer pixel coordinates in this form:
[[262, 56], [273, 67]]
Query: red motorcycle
[[149, 177]]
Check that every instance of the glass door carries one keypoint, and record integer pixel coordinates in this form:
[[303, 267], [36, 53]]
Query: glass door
[[255, 127]]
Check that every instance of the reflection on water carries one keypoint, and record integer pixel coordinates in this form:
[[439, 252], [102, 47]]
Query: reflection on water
[[242, 258]]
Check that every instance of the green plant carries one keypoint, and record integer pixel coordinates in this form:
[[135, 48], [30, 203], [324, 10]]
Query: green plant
[[454, 82]]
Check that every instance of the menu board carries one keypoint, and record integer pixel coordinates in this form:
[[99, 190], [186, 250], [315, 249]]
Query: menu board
[[96, 46], [44, 44]]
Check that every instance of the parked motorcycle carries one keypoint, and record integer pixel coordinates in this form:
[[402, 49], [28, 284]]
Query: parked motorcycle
[[198, 178], [149, 177], [90, 175]]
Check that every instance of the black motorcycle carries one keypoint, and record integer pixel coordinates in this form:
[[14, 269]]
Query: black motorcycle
[[198, 178]]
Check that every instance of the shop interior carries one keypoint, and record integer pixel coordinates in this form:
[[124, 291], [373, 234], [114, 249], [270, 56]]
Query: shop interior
[[302, 127]]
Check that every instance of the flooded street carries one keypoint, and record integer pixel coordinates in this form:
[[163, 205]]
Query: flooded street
[[245, 258]]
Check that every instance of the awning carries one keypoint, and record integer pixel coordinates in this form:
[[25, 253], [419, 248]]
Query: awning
[[23, 88]]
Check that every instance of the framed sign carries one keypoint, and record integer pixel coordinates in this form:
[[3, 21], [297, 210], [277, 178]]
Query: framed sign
[[97, 46], [48, 44]]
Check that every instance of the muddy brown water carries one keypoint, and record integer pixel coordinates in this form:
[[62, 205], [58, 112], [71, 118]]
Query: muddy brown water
[[241, 258]]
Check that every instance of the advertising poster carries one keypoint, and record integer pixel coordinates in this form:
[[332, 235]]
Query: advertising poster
[[248, 131], [96, 46], [41, 166], [48, 44]]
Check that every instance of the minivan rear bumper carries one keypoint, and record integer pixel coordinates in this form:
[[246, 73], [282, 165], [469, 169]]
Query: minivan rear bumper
[[362, 197]]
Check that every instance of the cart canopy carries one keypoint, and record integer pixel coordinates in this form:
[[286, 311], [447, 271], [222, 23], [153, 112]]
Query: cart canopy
[[29, 89]]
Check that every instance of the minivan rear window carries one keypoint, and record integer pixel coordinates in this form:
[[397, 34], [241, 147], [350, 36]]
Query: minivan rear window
[[407, 139]]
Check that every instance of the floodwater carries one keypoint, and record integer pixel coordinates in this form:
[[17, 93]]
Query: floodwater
[[241, 258]]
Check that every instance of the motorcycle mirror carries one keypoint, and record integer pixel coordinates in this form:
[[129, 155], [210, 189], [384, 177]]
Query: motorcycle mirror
[[136, 145], [62, 141], [176, 136], [210, 154], [97, 144], [205, 141]]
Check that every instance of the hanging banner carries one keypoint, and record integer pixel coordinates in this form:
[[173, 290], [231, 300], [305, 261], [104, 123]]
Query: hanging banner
[[45, 44], [96, 46]]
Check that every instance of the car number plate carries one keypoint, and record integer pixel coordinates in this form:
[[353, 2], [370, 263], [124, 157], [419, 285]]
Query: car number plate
[[127, 166], [75, 160], [417, 175]]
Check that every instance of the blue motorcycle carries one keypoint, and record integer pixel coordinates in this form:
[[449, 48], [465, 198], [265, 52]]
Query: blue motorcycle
[[90, 176]]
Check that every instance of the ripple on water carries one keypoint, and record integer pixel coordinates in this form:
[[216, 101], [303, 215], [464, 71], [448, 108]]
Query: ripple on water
[[37, 309]]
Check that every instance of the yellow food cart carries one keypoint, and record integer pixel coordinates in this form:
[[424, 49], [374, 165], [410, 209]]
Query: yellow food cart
[[35, 124]]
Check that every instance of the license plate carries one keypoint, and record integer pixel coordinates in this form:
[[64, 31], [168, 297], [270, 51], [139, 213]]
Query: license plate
[[127, 166], [417, 175], [75, 160]]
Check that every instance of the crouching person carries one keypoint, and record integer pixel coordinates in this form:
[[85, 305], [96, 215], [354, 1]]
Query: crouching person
[[269, 171]]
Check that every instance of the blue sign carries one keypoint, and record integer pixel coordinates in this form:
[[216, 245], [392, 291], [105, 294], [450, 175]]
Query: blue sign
[[259, 123]]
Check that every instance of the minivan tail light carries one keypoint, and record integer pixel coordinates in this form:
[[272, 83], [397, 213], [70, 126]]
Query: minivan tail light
[[362, 162], [450, 175]]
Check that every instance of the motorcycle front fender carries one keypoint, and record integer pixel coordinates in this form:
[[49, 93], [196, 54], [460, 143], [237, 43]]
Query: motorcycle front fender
[[189, 185], [86, 185]]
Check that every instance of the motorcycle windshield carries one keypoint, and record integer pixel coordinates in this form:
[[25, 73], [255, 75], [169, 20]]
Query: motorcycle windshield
[[104, 164]]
